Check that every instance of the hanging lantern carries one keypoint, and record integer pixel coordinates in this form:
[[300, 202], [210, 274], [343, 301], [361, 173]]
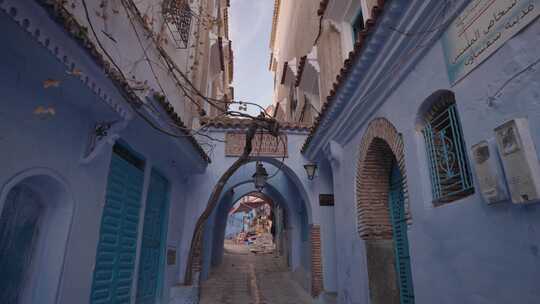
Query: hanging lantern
[[260, 177], [311, 168]]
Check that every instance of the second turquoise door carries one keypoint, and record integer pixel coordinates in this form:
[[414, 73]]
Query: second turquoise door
[[401, 243], [152, 261], [117, 246]]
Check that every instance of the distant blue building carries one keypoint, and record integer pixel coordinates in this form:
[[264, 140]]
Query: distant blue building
[[235, 224]]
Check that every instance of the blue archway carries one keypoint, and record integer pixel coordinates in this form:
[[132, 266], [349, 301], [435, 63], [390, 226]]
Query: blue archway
[[283, 191]]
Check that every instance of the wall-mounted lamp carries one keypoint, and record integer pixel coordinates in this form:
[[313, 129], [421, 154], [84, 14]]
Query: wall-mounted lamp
[[311, 168], [260, 177]]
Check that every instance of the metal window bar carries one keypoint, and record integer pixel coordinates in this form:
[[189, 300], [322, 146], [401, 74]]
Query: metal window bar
[[178, 15], [448, 164], [435, 181], [467, 177]]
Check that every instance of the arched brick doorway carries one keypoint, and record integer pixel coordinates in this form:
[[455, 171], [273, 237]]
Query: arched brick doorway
[[382, 208]]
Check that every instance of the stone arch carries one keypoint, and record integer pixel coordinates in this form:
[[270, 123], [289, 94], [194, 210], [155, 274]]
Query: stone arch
[[215, 228], [303, 242], [240, 178], [269, 194], [381, 146], [383, 212], [53, 193], [194, 260]]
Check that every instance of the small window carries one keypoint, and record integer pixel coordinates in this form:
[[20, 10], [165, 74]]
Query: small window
[[357, 26], [450, 171]]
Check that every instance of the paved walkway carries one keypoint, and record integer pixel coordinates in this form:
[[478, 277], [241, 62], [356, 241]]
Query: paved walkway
[[246, 278]]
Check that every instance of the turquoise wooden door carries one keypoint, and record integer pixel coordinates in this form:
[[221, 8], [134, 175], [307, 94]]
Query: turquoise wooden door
[[117, 245], [154, 237], [401, 243]]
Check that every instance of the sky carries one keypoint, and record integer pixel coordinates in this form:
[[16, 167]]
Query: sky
[[250, 27]]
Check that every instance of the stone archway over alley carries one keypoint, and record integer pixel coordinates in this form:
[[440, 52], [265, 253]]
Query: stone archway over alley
[[269, 151]]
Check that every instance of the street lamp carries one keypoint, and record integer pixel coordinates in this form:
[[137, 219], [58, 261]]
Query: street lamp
[[311, 168], [260, 177]]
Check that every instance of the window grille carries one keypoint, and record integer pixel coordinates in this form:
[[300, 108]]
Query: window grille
[[450, 171], [177, 14]]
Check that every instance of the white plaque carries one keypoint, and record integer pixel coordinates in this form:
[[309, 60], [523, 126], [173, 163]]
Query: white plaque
[[482, 28]]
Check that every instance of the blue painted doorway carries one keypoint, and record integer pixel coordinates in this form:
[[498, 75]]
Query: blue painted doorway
[[152, 260], [399, 232], [117, 245]]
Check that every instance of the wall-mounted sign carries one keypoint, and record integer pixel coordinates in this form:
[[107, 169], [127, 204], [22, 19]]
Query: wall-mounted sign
[[326, 199], [171, 256], [482, 28], [264, 144]]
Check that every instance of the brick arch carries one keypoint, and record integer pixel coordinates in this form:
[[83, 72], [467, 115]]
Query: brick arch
[[381, 146]]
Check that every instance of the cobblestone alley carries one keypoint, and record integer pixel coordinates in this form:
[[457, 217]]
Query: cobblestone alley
[[246, 278]]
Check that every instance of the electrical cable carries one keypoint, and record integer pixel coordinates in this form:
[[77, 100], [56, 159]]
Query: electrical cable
[[193, 89], [142, 116], [528, 67], [168, 61], [392, 72]]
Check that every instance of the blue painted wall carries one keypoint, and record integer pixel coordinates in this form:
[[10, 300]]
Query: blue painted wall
[[465, 251], [290, 187], [55, 143], [234, 224], [282, 191]]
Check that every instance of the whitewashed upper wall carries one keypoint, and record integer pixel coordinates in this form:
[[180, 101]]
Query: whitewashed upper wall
[[333, 46], [131, 39]]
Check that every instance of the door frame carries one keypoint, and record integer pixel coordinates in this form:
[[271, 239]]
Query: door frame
[[163, 240], [165, 230]]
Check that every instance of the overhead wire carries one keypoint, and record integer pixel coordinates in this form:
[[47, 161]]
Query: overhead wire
[[392, 72], [124, 78], [192, 88], [187, 88]]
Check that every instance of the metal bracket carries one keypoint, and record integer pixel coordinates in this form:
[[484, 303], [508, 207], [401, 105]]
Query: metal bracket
[[102, 133]]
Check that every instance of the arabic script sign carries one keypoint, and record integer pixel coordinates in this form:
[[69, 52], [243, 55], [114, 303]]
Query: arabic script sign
[[264, 144], [482, 28]]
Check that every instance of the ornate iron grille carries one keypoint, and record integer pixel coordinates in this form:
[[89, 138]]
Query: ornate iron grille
[[450, 172], [177, 14]]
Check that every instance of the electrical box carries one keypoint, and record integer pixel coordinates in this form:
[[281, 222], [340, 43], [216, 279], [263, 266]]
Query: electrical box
[[489, 172], [520, 160]]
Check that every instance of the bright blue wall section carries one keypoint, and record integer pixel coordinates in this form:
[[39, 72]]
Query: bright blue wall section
[[55, 143], [464, 251], [282, 191]]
